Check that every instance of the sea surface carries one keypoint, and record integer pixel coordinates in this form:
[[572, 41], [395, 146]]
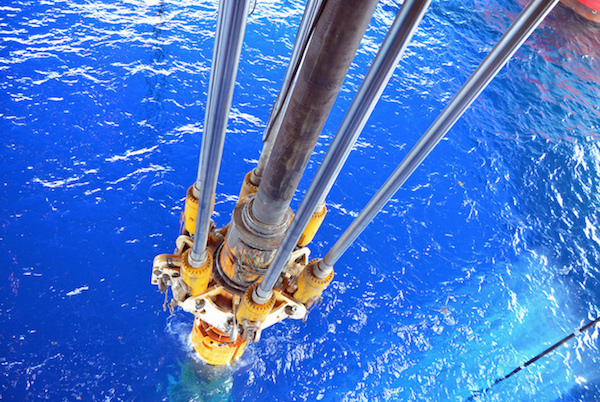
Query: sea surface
[[489, 254]]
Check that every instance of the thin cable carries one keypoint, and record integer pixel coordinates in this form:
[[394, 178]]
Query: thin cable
[[253, 8], [537, 357]]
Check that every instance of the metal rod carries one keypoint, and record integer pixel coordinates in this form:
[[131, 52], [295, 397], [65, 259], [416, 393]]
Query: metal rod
[[514, 37], [338, 33], [302, 38], [370, 91], [229, 35]]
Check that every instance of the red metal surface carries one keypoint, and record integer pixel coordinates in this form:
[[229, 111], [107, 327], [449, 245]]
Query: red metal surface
[[595, 4]]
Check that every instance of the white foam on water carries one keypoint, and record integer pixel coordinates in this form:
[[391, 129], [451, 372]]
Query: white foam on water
[[78, 291]]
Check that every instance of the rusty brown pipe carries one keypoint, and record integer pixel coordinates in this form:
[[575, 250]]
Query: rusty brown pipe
[[338, 32]]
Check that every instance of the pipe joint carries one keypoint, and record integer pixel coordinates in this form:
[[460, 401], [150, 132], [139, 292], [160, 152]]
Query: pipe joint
[[322, 270], [310, 286], [259, 296], [196, 275], [250, 245]]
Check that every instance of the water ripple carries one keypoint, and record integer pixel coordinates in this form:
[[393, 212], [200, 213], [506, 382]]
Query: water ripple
[[489, 254]]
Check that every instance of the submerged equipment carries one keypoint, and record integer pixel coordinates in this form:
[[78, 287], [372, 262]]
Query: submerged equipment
[[255, 272]]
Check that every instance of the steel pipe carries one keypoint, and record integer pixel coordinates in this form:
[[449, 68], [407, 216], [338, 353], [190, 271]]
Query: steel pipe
[[229, 35], [305, 30], [370, 91], [302, 38], [508, 44], [338, 32]]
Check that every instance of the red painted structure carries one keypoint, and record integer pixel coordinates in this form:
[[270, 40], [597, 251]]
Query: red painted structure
[[593, 4], [588, 9]]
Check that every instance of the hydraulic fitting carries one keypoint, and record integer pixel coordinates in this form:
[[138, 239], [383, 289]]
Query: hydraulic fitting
[[196, 278], [191, 210], [251, 314], [311, 286], [248, 188], [312, 227]]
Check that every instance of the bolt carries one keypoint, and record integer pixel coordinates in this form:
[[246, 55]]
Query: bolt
[[290, 310], [200, 304]]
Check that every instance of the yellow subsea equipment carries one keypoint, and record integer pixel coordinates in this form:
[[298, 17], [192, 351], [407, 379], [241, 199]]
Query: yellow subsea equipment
[[249, 310], [248, 188], [196, 278], [214, 346], [190, 211], [311, 286], [226, 319], [313, 226]]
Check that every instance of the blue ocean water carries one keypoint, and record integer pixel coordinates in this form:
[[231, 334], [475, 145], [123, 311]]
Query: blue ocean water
[[489, 254]]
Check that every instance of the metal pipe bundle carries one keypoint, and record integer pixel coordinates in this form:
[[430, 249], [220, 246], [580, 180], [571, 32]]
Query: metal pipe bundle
[[508, 44], [226, 56], [338, 33], [370, 91]]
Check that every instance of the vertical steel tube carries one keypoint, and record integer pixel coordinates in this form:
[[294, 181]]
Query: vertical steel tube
[[370, 91], [514, 37], [259, 223], [302, 38], [231, 25], [338, 32]]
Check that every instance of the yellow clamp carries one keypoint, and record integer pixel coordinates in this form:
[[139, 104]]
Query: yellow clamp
[[249, 310], [309, 285], [215, 347], [312, 227], [191, 210], [196, 278], [247, 187]]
